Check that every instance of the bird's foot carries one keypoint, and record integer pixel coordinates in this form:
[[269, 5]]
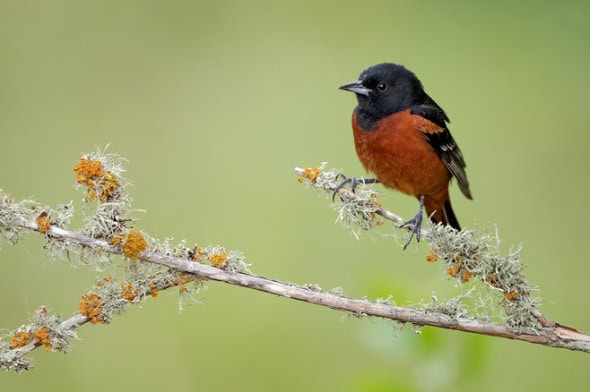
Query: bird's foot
[[353, 181], [416, 223]]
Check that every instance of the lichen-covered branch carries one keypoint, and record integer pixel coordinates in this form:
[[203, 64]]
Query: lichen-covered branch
[[469, 257], [553, 335]]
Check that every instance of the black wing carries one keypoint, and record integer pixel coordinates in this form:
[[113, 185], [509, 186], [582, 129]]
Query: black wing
[[443, 143], [448, 150]]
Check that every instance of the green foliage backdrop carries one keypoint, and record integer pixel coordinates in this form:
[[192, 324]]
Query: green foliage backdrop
[[214, 103]]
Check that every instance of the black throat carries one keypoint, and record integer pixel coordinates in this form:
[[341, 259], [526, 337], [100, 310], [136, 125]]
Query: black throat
[[366, 120]]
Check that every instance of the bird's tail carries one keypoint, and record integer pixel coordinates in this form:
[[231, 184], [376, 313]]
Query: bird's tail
[[438, 207], [449, 216]]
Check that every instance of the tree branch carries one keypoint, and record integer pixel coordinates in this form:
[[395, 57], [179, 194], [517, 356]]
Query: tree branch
[[553, 336], [465, 255]]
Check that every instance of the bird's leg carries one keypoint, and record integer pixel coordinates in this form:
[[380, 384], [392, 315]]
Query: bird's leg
[[416, 223], [354, 182]]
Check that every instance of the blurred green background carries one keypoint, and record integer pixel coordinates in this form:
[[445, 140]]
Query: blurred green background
[[214, 103]]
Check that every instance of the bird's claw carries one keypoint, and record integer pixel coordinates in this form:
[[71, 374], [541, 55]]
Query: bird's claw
[[353, 181], [416, 222]]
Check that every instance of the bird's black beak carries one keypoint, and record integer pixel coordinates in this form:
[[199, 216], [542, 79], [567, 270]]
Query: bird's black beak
[[356, 87]]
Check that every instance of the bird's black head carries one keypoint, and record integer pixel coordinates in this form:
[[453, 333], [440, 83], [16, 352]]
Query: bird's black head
[[384, 89]]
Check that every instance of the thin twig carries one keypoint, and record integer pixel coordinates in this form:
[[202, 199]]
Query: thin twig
[[397, 220]]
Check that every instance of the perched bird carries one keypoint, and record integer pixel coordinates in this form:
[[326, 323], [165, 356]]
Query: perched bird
[[401, 136]]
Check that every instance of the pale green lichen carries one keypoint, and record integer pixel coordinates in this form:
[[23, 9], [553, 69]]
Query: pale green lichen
[[475, 256], [357, 211], [44, 329], [472, 258], [108, 219]]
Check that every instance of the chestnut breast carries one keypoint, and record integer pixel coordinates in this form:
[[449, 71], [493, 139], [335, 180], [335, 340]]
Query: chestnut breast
[[399, 155]]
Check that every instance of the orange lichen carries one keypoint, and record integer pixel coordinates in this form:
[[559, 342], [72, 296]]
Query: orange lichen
[[431, 257], [376, 219], [134, 245], [465, 276], [375, 198], [215, 255], [91, 306], [458, 268], [128, 292], [116, 240], [309, 173], [42, 337], [104, 281], [196, 254], [43, 222], [101, 184], [511, 296], [20, 339], [88, 171], [154, 289], [109, 185], [182, 281], [218, 259]]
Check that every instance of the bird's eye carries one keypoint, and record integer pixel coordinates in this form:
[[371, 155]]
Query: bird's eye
[[381, 86]]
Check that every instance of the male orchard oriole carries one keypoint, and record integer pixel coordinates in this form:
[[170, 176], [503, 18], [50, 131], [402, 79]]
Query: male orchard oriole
[[401, 135]]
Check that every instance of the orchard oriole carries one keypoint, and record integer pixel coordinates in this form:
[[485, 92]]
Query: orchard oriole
[[401, 136]]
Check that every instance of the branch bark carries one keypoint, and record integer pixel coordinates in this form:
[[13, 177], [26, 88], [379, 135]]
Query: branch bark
[[551, 334]]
